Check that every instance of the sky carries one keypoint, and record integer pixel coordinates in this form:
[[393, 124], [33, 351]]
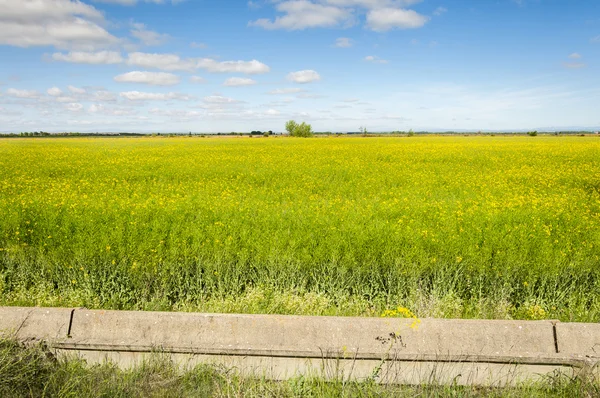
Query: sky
[[228, 65]]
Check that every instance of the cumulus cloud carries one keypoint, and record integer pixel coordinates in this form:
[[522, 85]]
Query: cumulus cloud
[[343, 42], [375, 60], [304, 76], [152, 78], [248, 67], [290, 90], [574, 65], [168, 62], [93, 58], [176, 113], [172, 62], [439, 11], [239, 81], [74, 107], [146, 36], [381, 14], [302, 14], [143, 96], [76, 90], [133, 2], [218, 99], [54, 91], [27, 94], [111, 111], [575, 56], [197, 80], [65, 24], [384, 19]]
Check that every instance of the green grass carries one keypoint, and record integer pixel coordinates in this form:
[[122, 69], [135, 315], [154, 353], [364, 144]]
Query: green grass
[[467, 227], [33, 372]]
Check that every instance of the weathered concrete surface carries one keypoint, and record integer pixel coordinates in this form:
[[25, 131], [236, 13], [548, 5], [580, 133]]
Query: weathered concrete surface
[[579, 339], [34, 323], [279, 347], [293, 336]]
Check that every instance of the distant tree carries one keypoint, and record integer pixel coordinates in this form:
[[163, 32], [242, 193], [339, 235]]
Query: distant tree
[[532, 133], [411, 133], [291, 126], [363, 130], [298, 130]]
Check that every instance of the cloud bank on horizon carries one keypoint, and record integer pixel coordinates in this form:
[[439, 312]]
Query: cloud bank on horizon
[[232, 65]]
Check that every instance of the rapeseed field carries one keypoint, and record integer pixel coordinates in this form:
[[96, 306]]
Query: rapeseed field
[[471, 227]]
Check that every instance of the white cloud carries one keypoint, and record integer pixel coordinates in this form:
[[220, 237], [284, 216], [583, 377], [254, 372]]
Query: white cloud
[[81, 57], [104, 96], [76, 90], [575, 56], [177, 113], [68, 24], [198, 45], [152, 78], [343, 42], [65, 99], [383, 19], [28, 94], [218, 99], [302, 14], [148, 37], [376, 60], [172, 62], [439, 11], [133, 2], [248, 67], [74, 107], [54, 91], [304, 76], [143, 96], [574, 65], [369, 4], [113, 111], [197, 80], [291, 90], [272, 112], [595, 39], [168, 62], [239, 81]]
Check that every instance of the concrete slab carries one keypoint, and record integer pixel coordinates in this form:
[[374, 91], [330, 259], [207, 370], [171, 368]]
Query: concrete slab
[[579, 339], [34, 323], [315, 337]]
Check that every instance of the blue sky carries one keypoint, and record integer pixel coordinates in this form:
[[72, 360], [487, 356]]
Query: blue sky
[[209, 66]]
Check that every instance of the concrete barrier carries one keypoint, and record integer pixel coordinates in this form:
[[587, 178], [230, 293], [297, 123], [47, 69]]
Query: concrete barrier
[[387, 350], [35, 323]]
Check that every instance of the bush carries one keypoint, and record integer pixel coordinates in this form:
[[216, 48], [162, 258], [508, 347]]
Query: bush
[[298, 130], [532, 133]]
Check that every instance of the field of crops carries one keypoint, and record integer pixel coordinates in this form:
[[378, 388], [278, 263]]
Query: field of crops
[[477, 227]]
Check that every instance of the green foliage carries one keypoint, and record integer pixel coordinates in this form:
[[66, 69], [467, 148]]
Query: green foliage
[[532, 133], [298, 130], [411, 133]]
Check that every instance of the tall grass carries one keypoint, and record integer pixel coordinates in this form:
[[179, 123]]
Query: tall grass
[[477, 227]]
